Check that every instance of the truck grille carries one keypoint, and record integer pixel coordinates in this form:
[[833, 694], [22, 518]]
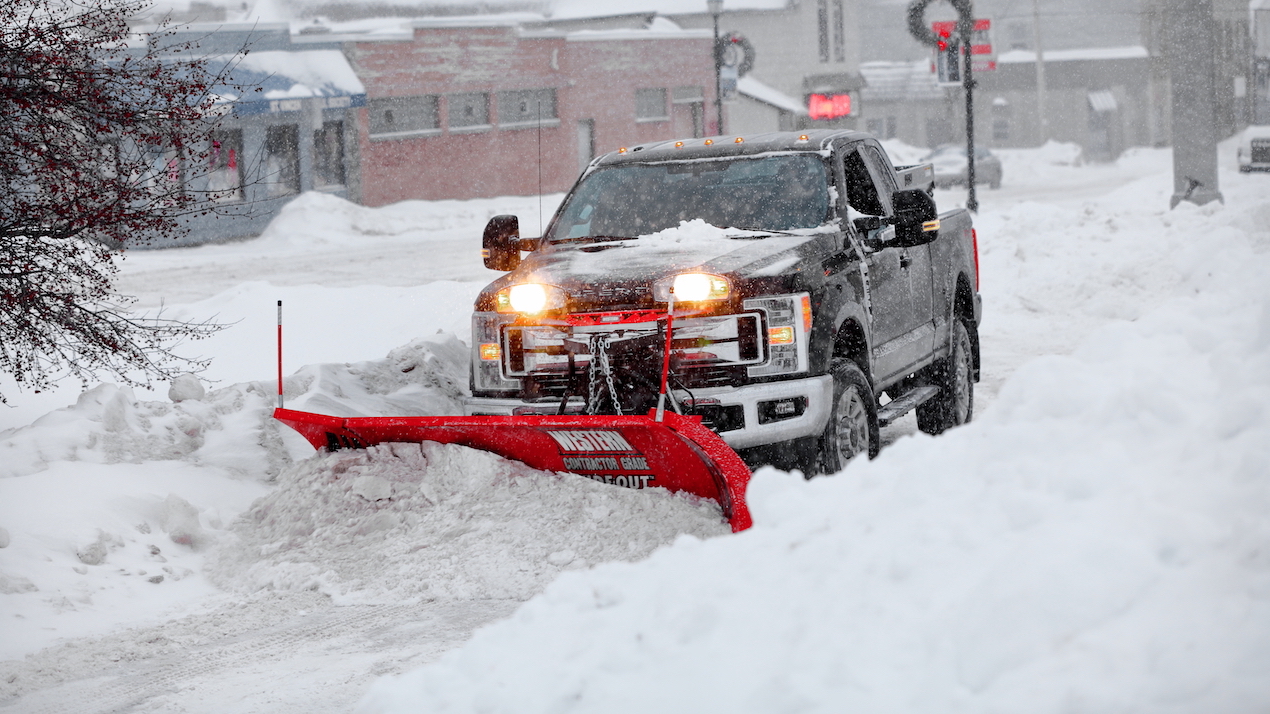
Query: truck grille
[[609, 297], [540, 384]]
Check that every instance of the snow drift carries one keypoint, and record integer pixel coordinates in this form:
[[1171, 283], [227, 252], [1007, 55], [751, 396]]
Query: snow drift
[[1097, 541]]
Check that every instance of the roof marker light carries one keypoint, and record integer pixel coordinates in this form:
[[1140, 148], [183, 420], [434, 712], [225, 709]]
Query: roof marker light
[[709, 142], [622, 150], [802, 137], [739, 140], [679, 145]]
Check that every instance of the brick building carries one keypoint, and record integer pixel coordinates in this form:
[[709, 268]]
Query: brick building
[[480, 107]]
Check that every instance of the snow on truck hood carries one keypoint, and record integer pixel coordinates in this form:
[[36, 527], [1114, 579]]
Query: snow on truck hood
[[692, 244]]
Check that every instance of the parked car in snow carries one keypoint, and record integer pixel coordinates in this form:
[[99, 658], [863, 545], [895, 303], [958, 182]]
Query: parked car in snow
[[951, 166], [1254, 149]]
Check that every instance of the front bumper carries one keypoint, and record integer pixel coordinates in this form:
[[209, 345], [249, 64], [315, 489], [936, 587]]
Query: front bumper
[[818, 392]]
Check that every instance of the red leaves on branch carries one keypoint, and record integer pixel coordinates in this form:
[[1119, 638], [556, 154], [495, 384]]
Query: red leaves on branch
[[100, 135]]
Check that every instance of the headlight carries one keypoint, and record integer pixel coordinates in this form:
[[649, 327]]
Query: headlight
[[692, 287], [530, 298]]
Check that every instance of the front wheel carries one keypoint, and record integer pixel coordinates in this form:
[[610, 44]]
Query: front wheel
[[853, 419], [954, 375]]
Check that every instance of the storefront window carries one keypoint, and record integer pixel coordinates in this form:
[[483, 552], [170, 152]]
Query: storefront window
[[282, 160], [468, 110], [650, 105], [401, 115], [526, 106], [224, 174], [328, 155]]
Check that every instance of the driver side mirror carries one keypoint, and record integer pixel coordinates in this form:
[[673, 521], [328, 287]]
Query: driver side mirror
[[501, 244], [916, 218]]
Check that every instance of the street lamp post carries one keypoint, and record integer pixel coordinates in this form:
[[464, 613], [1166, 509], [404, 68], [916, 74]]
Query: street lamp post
[[715, 7]]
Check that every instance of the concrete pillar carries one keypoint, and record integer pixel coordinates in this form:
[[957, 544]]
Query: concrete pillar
[[1188, 35]]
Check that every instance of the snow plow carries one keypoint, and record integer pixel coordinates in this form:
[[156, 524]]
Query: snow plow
[[661, 449], [677, 453]]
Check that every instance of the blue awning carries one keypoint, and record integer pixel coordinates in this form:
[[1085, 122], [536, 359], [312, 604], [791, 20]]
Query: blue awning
[[290, 80]]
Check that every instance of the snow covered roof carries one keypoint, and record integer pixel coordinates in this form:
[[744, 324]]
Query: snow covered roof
[[899, 81], [754, 89], [293, 75], [1088, 53], [660, 28], [508, 19], [291, 10], [1102, 100], [578, 9]]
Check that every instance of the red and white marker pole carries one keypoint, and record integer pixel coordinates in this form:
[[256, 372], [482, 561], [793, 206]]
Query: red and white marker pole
[[279, 354], [665, 360]]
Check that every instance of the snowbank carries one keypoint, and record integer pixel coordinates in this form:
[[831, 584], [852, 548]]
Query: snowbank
[[1097, 541], [406, 522]]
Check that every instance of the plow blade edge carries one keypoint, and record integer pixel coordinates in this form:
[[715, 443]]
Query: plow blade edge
[[678, 454]]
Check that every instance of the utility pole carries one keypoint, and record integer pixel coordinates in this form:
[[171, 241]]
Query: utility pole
[[716, 7], [965, 29], [967, 23], [1042, 118]]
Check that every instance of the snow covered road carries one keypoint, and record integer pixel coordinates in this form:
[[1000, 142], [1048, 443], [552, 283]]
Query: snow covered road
[[302, 582]]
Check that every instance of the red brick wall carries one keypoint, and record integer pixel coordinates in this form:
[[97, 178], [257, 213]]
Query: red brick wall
[[594, 80]]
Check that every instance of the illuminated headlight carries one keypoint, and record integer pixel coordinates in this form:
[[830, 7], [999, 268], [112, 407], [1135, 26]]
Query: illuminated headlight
[[692, 287], [530, 298]]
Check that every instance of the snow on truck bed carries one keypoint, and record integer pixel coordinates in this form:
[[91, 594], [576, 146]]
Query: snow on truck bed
[[1096, 540]]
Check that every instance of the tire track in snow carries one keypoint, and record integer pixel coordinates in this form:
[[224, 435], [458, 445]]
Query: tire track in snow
[[221, 674]]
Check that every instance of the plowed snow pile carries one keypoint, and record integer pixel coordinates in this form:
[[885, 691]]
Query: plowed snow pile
[[410, 521], [1097, 541]]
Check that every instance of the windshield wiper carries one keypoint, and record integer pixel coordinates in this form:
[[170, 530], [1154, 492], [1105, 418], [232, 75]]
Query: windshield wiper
[[757, 230], [591, 239]]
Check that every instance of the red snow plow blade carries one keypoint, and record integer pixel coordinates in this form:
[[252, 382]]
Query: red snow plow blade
[[678, 454]]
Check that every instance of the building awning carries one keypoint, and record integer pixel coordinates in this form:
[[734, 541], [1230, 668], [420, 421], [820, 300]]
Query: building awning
[[754, 89], [290, 80], [1102, 101]]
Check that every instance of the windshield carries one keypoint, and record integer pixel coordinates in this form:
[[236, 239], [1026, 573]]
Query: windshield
[[766, 193]]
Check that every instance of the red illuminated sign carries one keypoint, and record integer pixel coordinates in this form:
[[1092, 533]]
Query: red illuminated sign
[[829, 106], [980, 41]]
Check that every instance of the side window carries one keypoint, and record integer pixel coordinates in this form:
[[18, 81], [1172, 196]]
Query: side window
[[862, 194], [883, 172]]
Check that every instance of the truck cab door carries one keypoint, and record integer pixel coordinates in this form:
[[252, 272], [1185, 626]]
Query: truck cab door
[[890, 300], [916, 263]]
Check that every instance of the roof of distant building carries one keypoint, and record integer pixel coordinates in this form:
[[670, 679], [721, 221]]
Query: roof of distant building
[[1088, 53], [899, 81], [753, 88], [578, 9]]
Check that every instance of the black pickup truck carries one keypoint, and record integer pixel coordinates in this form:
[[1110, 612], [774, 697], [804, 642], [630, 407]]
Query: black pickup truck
[[817, 294]]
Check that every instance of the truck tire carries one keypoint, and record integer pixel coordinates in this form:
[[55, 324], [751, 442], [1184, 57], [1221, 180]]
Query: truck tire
[[853, 419], [955, 403]]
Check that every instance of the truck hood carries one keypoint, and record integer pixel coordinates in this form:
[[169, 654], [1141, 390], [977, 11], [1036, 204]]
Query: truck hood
[[693, 245]]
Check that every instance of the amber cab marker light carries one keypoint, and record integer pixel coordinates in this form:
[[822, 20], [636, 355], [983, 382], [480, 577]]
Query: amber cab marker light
[[709, 142], [739, 140], [622, 150], [679, 145]]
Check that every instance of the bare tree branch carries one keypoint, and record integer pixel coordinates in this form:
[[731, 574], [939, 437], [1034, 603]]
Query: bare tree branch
[[102, 136]]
